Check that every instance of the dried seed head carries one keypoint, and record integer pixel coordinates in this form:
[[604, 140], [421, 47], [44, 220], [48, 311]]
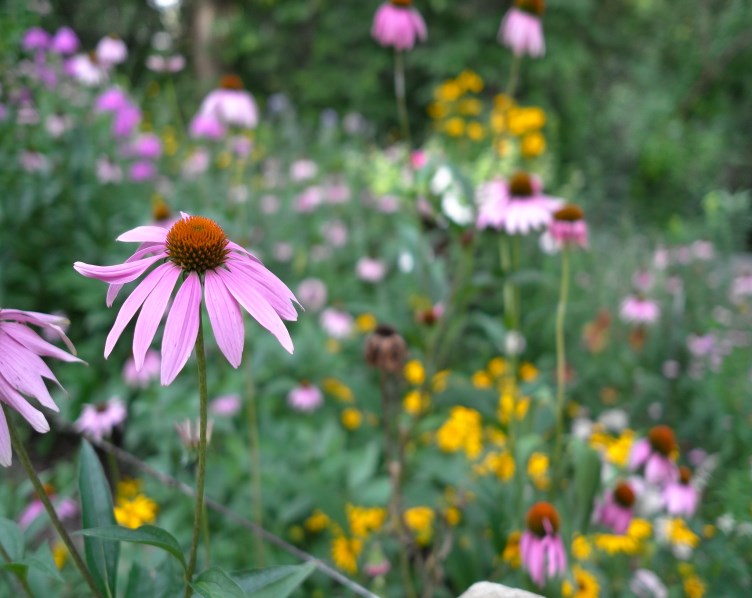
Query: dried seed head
[[385, 349], [538, 515]]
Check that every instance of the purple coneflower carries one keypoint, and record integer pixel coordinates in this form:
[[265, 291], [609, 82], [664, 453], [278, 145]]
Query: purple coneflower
[[101, 419], [568, 226], [35, 38], [228, 276], [111, 50], [521, 29], [206, 126], [142, 170], [637, 309], [542, 551], [22, 371], [226, 405], [65, 508], [370, 269], [617, 507], [516, 207], [231, 105], [397, 24], [112, 99], [126, 120], [165, 64], [305, 397], [654, 452], [86, 69], [147, 145], [65, 41], [680, 496]]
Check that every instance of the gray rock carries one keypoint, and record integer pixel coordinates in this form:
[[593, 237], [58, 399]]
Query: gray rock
[[486, 589]]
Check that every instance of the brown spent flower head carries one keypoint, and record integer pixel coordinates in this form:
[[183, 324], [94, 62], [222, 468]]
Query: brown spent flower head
[[231, 82], [93, 57], [385, 349], [404, 3], [662, 440], [534, 7], [538, 514], [685, 475], [197, 244], [624, 495], [521, 185], [160, 210], [569, 213]]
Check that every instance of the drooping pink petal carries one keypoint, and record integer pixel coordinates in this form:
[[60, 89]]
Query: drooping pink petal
[[271, 288], [119, 273], [181, 328], [23, 371], [144, 234], [20, 404], [6, 454], [239, 248], [225, 317], [255, 304], [151, 313], [132, 303], [114, 289], [46, 321], [32, 341]]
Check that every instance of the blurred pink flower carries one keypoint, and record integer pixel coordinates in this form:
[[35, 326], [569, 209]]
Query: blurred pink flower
[[85, 69], [112, 99], [639, 310], [108, 171], [213, 268], [241, 145], [283, 251], [335, 232], [126, 120], [418, 159], [65, 41], [337, 192], [35, 38], [370, 269], [146, 145], [66, 508], [542, 551], [680, 496], [701, 345], [231, 105], [642, 280], [703, 250], [188, 432], [312, 293], [165, 64], [336, 323], [616, 508], [654, 452], [196, 163], [143, 170], [307, 201], [516, 207], [388, 204], [303, 170], [399, 25], [206, 126], [22, 370], [148, 373], [646, 584], [568, 227], [269, 204], [101, 419], [57, 124], [226, 405], [33, 161], [305, 397], [111, 50], [521, 29]]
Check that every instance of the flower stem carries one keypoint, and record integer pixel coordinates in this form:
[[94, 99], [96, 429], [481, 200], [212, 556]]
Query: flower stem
[[21, 577], [23, 456], [399, 92], [514, 76], [201, 474], [257, 504], [560, 348]]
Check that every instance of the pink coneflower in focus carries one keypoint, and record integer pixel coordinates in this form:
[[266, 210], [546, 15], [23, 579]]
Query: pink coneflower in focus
[[616, 509], [517, 207], [22, 371], [336, 323], [542, 551], [312, 294], [148, 373], [637, 309], [370, 269], [397, 24], [568, 227], [231, 105], [654, 452], [101, 419], [522, 30], [305, 397], [225, 405], [680, 496], [210, 266], [66, 508], [65, 41], [111, 50]]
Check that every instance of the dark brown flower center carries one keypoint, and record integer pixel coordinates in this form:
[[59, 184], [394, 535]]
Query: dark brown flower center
[[100, 407], [662, 440], [538, 514], [402, 2], [521, 185], [197, 244], [93, 57], [160, 210], [685, 475], [569, 213], [231, 82], [534, 7], [624, 495]]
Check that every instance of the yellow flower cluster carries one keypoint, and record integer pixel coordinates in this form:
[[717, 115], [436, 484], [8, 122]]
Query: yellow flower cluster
[[414, 372], [497, 463], [345, 552], [416, 402], [581, 548], [537, 469], [630, 543], [456, 110], [338, 389], [585, 585], [463, 431], [351, 418], [420, 521], [679, 534], [523, 122], [365, 520], [365, 323], [693, 585], [133, 509], [615, 449], [511, 554]]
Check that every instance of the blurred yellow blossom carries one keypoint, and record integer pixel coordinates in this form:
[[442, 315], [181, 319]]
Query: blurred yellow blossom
[[414, 372], [128, 488], [481, 380], [135, 512], [462, 431], [452, 515], [338, 389], [365, 323], [416, 402], [420, 521], [503, 102], [495, 436], [500, 464], [59, 553], [439, 381], [497, 367], [351, 418], [364, 520], [694, 587], [470, 81], [585, 585], [537, 469], [437, 111], [449, 91], [679, 533], [475, 131], [498, 122], [317, 522], [581, 549], [511, 554], [455, 126], [345, 552], [528, 372], [524, 120], [470, 107], [630, 543], [533, 145]]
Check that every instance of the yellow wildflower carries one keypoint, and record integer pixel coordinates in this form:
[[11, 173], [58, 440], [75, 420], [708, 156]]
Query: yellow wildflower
[[525, 120], [470, 81], [481, 380], [420, 521], [470, 107], [537, 469], [345, 552], [503, 147], [498, 122], [128, 488], [437, 110], [59, 553], [365, 323], [679, 533], [462, 431], [694, 587], [338, 389], [506, 407], [317, 522], [497, 367], [416, 402], [585, 586], [414, 372], [521, 408], [136, 511], [452, 515], [475, 131], [449, 91], [439, 381], [639, 529], [619, 450], [495, 436], [499, 463], [364, 520], [511, 554], [503, 102], [528, 372], [533, 145], [581, 548], [351, 418], [455, 126]]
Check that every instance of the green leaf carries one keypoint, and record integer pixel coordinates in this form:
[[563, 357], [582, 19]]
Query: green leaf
[[273, 582], [11, 539], [587, 475], [362, 464], [43, 562], [139, 582], [146, 534], [96, 511], [215, 583]]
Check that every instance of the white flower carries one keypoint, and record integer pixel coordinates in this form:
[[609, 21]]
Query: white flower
[[441, 180], [454, 208]]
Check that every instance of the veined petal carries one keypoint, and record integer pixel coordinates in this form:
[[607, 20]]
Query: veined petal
[[240, 249], [181, 328], [119, 273], [23, 371], [47, 321], [225, 317], [114, 289], [151, 315], [144, 234], [6, 454], [132, 303], [258, 307], [20, 404], [32, 341], [268, 286]]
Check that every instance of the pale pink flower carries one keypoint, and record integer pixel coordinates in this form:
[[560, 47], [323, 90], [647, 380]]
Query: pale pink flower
[[283, 251], [241, 145], [33, 161], [654, 452], [143, 170], [388, 204], [85, 70], [703, 250], [337, 192], [65, 41], [146, 145], [516, 207], [521, 29], [312, 293], [642, 280], [57, 124], [165, 64], [377, 569], [646, 584], [108, 171], [148, 373], [206, 126], [307, 201], [112, 99], [210, 267], [35, 38], [418, 159], [370, 269], [568, 227], [616, 508], [639, 310], [303, 170], [397, 24], [101, 419], [335, 232], [680, 496], [305, 397], [336, 323], [269, 204], [111, 50], [197, 163], [231, 105], [542, 551], [701, 345], [23, 372], [226, 405], [189, 433], [126, 120], [66, 508]]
